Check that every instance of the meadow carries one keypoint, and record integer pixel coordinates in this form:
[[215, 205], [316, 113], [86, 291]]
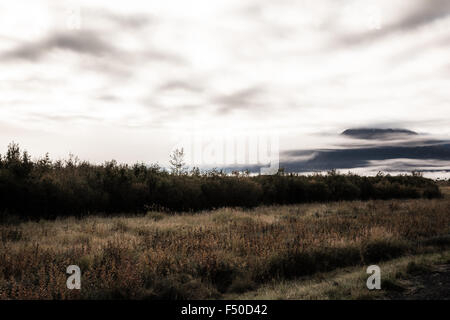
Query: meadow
[[223, 253]]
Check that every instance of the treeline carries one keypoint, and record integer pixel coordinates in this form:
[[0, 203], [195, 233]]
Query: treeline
[[45, 188]]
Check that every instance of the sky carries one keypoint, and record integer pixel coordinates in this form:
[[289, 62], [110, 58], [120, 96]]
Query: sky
[[129, 80]]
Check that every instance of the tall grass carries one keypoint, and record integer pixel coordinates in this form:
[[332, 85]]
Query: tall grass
[[212, 253]]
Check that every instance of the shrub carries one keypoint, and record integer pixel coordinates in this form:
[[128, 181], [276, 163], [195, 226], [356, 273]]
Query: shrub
[[431, 192], [46, 189]]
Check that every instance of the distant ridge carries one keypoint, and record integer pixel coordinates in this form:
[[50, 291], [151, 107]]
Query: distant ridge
[[376, 133]]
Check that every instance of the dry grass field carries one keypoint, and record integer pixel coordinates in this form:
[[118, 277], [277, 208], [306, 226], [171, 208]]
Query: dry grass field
[[227, 253]]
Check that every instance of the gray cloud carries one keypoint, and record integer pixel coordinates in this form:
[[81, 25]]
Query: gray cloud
[[360, 157], [134, 22], [78, 41], [63, 118], [88, 42], [424, 12], [179, 84], [242, 99], [158, 55], [109, 98], [418, 48]]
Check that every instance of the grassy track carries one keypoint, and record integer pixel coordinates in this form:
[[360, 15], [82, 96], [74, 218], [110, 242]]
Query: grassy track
[[400, 280]]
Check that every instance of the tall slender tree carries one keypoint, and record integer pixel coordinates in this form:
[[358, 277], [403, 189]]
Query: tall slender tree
[[177, 161]]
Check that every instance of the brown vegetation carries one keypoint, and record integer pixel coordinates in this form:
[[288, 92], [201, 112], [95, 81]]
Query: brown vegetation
[[213, 253]]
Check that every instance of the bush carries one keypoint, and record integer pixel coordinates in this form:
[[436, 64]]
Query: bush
[[432, 192], [46, 189]]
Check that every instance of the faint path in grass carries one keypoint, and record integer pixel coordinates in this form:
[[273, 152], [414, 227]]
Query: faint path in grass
[[429, 285], [417, 277]]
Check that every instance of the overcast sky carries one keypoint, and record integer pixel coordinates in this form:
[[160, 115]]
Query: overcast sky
[[120, 79]]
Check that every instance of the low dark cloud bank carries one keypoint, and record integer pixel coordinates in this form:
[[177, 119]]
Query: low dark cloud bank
[[365, 157]]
